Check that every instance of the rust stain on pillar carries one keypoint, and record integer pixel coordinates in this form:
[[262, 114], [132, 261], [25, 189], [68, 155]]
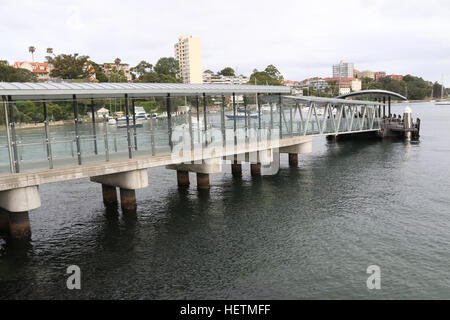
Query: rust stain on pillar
[[19, 225], [109, 195], [183, 178], [293, 159], [236, 169], [255, 169], [128, 199], [203, 181]]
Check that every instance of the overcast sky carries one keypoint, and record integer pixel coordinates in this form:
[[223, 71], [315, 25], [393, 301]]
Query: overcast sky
[[301, 38]]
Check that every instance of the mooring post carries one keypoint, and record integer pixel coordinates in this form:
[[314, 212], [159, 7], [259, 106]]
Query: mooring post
[[77, 128], [234, 119], [94, 130], [47, 137]]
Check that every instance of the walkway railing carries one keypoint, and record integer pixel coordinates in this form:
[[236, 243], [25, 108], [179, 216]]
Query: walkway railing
[[231, 121]]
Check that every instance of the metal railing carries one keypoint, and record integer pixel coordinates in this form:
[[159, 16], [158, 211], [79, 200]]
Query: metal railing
[[271, 118]]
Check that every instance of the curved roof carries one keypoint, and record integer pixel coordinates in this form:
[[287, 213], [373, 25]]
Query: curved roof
[[99, 90], [372, 94]]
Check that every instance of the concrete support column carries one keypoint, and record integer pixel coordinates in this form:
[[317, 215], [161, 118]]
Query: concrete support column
[[203, 181], [4, 221], [236, 169], [293, 160], [19, 225], [183, 178], [255, 169], [128, 199], [128, 182], [109, 195]]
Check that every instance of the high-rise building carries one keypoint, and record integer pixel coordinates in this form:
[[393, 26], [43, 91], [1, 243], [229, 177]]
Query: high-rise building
[[188, 52], [343, 70]]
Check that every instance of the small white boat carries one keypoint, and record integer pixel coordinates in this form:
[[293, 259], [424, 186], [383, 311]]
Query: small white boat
[[443, 103], [122, 123], [112, 121]]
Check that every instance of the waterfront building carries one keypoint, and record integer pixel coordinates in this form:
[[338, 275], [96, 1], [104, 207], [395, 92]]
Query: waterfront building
[[108, 68], [40, 69], [343, 70], [315, 83], [379, 75], [367, 74], [348, 84], [211, 78], [188, 53]]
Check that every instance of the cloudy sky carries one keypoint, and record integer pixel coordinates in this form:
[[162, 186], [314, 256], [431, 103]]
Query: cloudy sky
[[302, 38]]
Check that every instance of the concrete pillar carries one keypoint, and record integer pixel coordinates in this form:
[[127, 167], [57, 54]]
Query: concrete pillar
[[19, 225], [128, 199], [128, 182], [16, 203], [109, 195], [4, 221], [293, 160], [255, 169], [183, 178], [236, 169], [203, 181]]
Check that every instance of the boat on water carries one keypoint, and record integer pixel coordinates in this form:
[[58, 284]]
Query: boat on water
[[112, 122], [122, 123], [443, 103]]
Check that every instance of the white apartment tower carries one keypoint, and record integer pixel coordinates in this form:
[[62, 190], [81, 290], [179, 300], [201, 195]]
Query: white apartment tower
[[188, 52], [343, 70]]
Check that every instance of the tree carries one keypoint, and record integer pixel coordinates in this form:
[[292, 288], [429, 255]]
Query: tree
[[99, 74], [68, 66], [117, 61], [32, 50], [49, 51], [141, 69], [11, 74], [273, 72], [229, 72], [270, 76], [167, 66]]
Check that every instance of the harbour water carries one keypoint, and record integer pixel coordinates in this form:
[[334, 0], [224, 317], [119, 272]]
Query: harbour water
[[306, 233]]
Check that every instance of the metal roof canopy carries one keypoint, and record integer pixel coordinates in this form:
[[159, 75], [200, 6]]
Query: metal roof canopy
[[333, 100], [53, 91], [372, 94]]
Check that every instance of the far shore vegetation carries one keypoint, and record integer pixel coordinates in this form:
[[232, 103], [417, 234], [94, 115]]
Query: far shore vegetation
[[72, 67]]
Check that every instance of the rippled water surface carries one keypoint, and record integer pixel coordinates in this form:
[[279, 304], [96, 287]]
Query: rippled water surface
[[309, 232]]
